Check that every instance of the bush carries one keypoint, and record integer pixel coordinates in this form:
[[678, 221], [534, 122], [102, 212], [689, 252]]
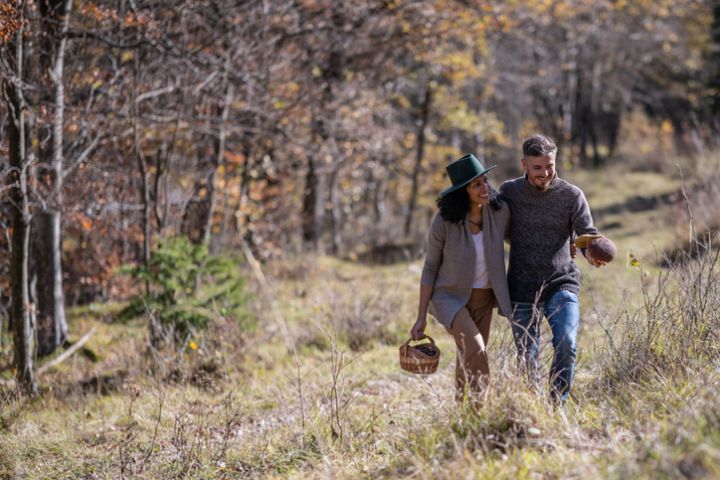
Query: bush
[[189, 288], [677, 329]]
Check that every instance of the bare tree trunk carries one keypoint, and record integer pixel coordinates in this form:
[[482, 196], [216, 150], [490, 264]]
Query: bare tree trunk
[[310, 200], [570, 96], [597, 159], [380, 208], [161, 165], [156, 334], [241, 221], [145, 199], [378, 202], [336, 210], [314, 193], [319, 218], [614, 130], [424, 114], [2, 315], [144, 183], [20, 221], [52, 325], [229, 210], [195, 210], [198, 213], [219, 158], [594, 109], [583, 147]]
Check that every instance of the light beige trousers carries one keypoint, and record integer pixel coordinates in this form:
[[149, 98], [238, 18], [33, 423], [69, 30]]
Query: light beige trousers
[[471, 328]]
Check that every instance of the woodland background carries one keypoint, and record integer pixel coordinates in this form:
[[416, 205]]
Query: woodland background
[[277, 136]]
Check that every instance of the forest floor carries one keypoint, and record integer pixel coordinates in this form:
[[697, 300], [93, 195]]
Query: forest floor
[[315, 391]]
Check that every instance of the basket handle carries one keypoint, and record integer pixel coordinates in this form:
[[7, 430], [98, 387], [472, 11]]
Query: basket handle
[[407, 343]]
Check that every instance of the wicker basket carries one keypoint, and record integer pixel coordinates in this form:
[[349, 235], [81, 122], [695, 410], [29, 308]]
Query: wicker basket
[[420, 358]]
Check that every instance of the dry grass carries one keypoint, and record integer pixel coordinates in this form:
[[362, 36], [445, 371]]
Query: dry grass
[[246, 406]]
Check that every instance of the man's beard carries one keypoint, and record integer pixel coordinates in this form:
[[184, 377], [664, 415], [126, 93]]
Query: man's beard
[[544, 184]]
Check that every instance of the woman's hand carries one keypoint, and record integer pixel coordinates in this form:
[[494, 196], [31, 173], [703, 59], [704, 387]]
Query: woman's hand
[[418, 330]]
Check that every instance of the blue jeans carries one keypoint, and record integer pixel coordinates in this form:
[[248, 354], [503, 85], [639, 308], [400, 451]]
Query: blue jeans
[[562, 311]]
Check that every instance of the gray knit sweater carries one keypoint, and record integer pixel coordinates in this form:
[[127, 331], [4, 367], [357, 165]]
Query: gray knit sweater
[[542, 225]]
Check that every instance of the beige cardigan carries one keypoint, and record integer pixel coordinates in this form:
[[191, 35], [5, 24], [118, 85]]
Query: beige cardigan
[[450, 261]]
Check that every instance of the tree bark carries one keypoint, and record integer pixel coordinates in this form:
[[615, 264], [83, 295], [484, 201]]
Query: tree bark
[[310, 196], [424, 114], [52, 326], [144, 184], [614, 123], [218, 160], [594, 112], [570, 96], [20, 221], [336, 210], [243, 220], [315, 191], [313, 212], [2, 315], [714, 81], [378, 198], [198, 214]]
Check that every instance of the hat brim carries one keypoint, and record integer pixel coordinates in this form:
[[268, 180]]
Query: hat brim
[[461, 185]]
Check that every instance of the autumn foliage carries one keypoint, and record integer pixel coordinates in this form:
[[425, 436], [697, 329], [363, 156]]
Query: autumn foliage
[[325, 126], [10, 22]]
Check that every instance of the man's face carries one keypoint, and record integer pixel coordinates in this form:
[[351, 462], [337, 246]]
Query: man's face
[[540, 170]]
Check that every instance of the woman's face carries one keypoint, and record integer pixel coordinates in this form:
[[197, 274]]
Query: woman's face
[[478, 191]]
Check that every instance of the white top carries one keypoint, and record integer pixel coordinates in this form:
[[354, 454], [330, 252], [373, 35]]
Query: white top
[[481, 271]]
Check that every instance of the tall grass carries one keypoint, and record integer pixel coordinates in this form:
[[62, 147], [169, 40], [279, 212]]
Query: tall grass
[[644, 403], [677, 328]]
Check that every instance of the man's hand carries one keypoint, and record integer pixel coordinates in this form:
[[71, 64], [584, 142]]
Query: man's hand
[[417, 332], [595, 262], [573, 251]]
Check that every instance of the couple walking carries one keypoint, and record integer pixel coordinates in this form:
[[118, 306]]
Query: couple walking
[[464, 273]]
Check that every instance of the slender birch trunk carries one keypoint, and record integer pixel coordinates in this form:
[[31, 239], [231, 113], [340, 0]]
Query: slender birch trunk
[[52, 323], [20, 221]]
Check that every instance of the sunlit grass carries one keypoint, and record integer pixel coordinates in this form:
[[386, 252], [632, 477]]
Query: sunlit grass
[[316, 391]]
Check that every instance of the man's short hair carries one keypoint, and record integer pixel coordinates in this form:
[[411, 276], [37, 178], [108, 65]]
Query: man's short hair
[[538, 146]]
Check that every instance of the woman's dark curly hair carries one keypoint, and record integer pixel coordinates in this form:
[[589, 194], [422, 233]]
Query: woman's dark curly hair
[[455, 205]]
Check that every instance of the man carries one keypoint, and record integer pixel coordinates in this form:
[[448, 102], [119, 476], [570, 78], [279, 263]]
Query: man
[[546, 213]]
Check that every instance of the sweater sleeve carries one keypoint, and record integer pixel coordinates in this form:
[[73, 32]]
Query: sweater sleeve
[[582, 222], [433, 258], [505, 216], [503, 199]]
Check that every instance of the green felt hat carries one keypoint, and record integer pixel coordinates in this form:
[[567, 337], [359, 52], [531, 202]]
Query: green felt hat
[[463, 171]]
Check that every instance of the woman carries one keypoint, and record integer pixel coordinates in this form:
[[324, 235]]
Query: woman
[[464, 273]]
